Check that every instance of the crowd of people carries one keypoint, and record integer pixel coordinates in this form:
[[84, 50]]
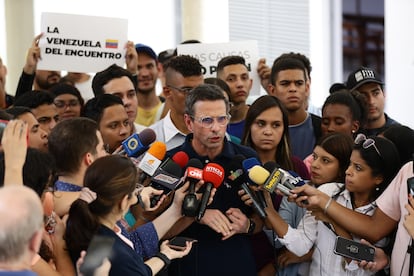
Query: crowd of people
[[67, 179]]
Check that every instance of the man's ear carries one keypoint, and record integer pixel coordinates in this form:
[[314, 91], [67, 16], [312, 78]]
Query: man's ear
[[271, 89], [188, 122], [35, 241], [166, 91], [88, 159]]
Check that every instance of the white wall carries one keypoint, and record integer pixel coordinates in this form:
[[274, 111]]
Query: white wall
[[399, 60]]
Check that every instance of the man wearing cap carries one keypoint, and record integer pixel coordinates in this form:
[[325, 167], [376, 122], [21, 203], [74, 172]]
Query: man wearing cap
[[150, 105], [367, 82]]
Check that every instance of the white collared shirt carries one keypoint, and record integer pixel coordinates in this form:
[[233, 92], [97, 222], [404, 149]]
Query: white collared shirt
[[167, 132]]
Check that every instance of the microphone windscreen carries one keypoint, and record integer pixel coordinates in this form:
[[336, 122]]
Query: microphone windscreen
[[214, 174], [195, 163], [258, 174], [250, 162], [234, 170], [181, 158], [172, 168], [158, 150], [147, 136]]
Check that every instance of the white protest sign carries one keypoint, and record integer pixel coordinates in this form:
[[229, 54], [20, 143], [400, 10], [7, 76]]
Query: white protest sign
[[209, 54], [79, 43]]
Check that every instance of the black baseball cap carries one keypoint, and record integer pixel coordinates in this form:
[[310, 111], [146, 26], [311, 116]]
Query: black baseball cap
[[362, 76]]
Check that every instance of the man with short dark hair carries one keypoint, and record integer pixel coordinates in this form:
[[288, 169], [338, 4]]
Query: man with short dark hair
[[290, 84], [368, 83], [120, 82], [109, 113], [21, 229], [233, 70], [182, 75], [74, 143], [223, 247], [41, 103], [150, 105]]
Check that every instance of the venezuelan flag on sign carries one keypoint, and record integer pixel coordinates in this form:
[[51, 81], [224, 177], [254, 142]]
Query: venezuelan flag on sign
[[111, 43]]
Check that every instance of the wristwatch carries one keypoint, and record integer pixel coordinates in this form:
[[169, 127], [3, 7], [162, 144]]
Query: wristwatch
[[163, 258], [252, 226]]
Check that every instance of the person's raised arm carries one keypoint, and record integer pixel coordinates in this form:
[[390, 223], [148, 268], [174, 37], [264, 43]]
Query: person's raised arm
[[379, 223], [14, 144]]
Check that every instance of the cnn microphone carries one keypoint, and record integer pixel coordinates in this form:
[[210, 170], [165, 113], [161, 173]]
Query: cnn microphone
[[213, 175], [152, 160], [238, 176], [137, 144], [193, 174]]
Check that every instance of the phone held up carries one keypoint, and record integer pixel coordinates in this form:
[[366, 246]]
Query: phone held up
[[99, 249], [354, 250]]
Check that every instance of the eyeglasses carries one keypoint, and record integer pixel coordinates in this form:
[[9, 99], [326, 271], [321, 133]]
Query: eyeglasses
[[62, 104], [208, 121], [366, 142], [184, 90]]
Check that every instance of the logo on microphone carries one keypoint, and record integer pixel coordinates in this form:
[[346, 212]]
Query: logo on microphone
[[132, 143], [214, 170], [235, 174], [270, 185]]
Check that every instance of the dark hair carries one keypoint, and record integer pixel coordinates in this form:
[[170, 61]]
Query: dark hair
[[204, 92], [403, 139], [220, 83], [111, 186], [261, 104], [96, 106], [353, 100], [386, 164], [35, 98], [340, 146], [186, 65], [38, 170], [65, 88], [112, 72], [304, 59], [230, 60], [17, 111], [70, 140], [281, 64]]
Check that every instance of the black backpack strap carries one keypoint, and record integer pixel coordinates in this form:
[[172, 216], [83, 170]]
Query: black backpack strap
[[316, 123]]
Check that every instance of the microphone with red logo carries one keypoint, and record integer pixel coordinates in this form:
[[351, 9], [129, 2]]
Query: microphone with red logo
[[194, 173], [213, 175]]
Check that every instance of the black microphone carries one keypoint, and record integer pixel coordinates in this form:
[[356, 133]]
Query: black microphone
[[238, 176], [213, 175], [194, 173], [138, 143], [166, 177]]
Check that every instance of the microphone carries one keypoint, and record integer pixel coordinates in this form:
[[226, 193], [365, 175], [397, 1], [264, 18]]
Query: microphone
[[167, 176], [194, 173], [213, 175], [270, 181], [247, 165], [137, 144], [152, 159], [238, 176]]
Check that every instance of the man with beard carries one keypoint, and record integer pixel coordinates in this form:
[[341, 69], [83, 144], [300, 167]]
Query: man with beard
[[150, 105], [367, 82], [31, 78], [233, 70]]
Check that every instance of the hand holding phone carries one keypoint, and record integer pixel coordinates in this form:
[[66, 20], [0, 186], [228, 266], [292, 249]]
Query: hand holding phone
[[179, 243], [354, 250], [99, 249]]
